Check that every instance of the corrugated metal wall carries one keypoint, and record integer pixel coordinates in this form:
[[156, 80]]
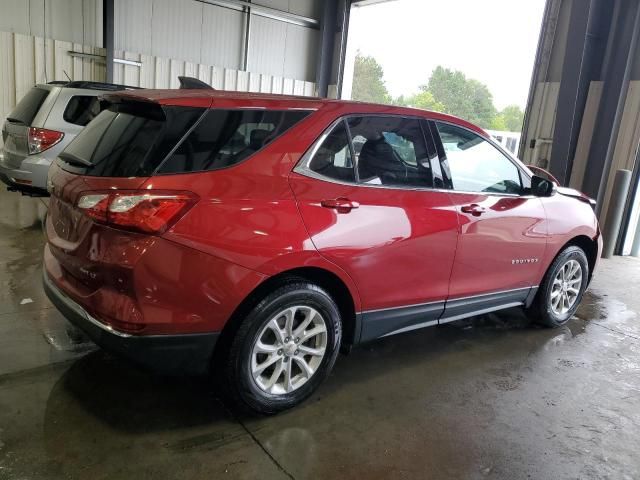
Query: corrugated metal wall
[[26, 60], [23, 59], [203, 33], [543, 105], [169, 37], [189, 30], [77, 21]]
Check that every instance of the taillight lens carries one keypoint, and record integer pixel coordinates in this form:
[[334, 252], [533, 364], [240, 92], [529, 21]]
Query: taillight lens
[[146, 211], [41, 139]]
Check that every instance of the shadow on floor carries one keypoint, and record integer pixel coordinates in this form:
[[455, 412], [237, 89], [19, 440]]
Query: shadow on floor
[[117, 393]]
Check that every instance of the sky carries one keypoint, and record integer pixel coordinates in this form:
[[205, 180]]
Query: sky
[[493, 41]]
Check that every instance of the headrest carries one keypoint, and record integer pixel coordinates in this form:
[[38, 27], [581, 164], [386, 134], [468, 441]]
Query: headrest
[[378, 148], [258, 138], [321, 160]]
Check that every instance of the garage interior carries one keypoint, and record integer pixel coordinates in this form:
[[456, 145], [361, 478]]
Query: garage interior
[[488, 397]]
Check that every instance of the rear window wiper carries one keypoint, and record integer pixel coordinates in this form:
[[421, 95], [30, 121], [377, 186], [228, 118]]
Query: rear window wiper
[[71, 159]]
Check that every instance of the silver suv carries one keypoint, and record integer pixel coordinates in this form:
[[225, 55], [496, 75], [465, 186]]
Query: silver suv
[[43, 123]]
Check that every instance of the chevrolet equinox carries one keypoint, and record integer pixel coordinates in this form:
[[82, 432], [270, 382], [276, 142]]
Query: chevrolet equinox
[[255, 235]]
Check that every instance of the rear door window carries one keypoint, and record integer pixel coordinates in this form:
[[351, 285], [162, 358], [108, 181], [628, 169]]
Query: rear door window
[[27, 109], [227, 137], [390, 150], [81, 109], [333, 158]]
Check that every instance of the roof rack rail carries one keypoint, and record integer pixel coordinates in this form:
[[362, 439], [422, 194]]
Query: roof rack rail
[[100, 85], [109, 87]]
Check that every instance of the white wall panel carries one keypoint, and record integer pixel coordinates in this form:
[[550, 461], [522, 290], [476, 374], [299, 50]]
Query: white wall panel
[[23, 59], [277, 4], [222, 37], [267, 46], [217, 77], [132, 29], [161, 79], [22, 64], [181, 29], [176, 69], [542, 123], [7, 74], [242, 81], [147, 70], [307, 8], [25, 72], [14, 16], [300, 52], [77, 21], [176, 29]]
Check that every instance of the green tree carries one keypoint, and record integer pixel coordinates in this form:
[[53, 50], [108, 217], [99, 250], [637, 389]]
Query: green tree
[[425, 100], [368, 81], [513, 118], [465, 97], [498, 123], [401, 101]]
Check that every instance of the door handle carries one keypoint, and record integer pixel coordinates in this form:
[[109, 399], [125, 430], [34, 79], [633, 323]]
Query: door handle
[[474, 209], [342, 205]]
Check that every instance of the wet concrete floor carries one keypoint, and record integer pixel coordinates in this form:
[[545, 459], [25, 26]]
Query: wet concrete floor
[[492, 397]]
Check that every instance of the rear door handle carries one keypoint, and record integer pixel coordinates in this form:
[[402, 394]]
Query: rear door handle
[[474, 209], [341, 204]]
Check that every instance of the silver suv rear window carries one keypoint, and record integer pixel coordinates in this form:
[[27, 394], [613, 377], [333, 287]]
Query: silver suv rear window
[[27, 109]]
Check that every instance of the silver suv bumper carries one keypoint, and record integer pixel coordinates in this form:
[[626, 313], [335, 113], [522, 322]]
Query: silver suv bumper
[[31, 176]]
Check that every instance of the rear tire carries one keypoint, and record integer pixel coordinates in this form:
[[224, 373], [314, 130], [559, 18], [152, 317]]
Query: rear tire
[[283, 349], [562, 289]]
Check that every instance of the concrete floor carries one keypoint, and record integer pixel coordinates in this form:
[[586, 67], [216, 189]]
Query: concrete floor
[[492, 397]]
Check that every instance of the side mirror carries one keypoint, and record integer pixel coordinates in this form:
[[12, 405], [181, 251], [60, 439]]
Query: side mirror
[[541, 172], [541, 187]]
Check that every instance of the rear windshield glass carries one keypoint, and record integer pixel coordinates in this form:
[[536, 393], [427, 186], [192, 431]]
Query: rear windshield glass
[[81, 109], [226, 137], [28, 107], [129, 139]]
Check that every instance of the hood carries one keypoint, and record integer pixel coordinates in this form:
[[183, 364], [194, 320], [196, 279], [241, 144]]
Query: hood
[[571, 192]]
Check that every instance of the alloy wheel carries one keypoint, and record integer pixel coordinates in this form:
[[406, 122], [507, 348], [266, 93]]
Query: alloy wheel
[[288, 350], [566, 287]]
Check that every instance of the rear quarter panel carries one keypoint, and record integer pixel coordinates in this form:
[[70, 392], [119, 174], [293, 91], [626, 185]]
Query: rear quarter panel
[[247, 214]]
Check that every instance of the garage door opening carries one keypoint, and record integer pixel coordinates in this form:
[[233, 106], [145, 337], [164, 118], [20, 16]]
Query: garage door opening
[[470, 59]]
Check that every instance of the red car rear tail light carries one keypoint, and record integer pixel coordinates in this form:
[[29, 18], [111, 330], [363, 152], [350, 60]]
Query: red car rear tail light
[[146, 211], [41, 139]]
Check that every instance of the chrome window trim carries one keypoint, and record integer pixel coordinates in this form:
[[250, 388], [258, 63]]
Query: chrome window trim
[[302, 167], [491, 293], [405, 306]]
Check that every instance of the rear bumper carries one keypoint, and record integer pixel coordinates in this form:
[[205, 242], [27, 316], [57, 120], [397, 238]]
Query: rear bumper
[[33, 170], [186, 354]]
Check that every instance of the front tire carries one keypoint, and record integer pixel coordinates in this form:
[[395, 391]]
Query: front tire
[[562, 288], [284, 348]]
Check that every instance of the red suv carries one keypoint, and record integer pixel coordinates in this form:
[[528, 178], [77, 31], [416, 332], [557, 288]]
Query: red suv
[[255, 235]]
